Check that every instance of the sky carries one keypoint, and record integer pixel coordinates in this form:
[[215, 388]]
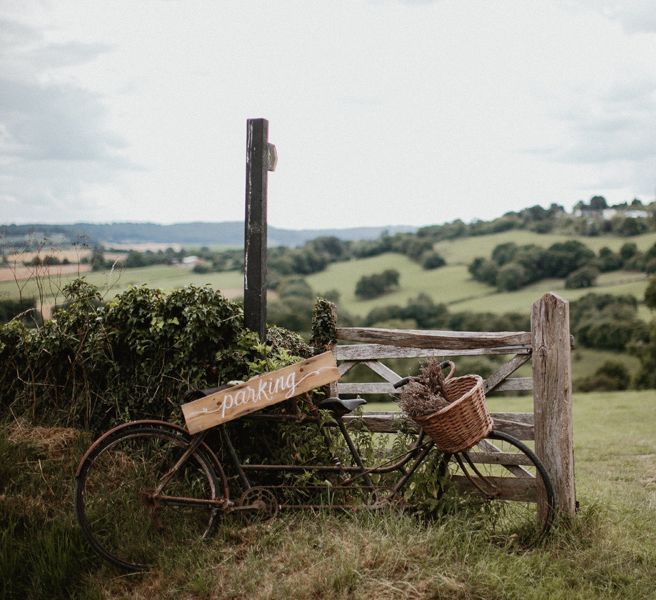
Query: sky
[[383, 112]]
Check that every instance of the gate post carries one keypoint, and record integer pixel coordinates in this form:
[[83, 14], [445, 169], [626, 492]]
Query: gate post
[[552, 396], [260, 158]]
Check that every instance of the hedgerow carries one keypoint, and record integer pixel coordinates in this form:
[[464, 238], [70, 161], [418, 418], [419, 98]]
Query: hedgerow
[[95, 364]]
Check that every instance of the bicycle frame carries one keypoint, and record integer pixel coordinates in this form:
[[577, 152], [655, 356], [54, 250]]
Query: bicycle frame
[[358, 474]]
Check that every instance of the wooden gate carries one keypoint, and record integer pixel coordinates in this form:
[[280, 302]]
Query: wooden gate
[[547, 346]]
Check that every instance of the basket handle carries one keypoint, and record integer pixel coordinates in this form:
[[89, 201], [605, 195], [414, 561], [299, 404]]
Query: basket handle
[[452, 368]]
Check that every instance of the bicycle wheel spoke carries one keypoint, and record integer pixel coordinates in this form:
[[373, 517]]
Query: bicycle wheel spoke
[[502, 481], [116, 501]]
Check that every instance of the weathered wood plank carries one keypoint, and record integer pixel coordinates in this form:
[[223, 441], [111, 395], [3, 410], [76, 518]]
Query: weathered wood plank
[[380, 387], [499, 458], [490, 446], [379, 351], [552, 396], [523, 418], [417, 338], [260, 392], [519, 425], [383, 370], [346, 366], [522, 431], [515, 384], [505, 371]]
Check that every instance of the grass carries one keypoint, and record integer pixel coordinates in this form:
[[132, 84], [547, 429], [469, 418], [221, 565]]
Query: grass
[[610, 552], [450, 284], [454, 286]]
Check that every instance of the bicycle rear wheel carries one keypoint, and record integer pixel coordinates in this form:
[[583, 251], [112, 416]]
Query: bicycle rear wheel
[[122, 516], [508, 490]]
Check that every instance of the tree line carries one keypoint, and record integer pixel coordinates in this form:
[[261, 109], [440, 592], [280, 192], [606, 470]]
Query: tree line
[[512, 266]]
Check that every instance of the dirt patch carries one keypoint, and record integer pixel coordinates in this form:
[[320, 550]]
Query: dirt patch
[[74, 255], [9, 274], [142, 247], [51, 441]]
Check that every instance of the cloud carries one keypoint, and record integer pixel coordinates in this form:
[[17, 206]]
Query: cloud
[[617, 125], [54, 134], [635, 16]]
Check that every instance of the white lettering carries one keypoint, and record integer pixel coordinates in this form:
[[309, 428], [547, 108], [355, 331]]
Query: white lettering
[[261, 390], [290, 384], [228, 403]]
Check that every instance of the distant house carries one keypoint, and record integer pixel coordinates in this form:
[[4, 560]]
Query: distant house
[[633, 213], [608, 213], [192, 260]]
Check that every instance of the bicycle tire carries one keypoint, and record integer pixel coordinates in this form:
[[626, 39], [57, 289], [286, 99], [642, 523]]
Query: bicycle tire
[[503, 494], [121, 522]]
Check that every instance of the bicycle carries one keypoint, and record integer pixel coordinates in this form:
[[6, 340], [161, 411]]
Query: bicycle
[[147, 483]]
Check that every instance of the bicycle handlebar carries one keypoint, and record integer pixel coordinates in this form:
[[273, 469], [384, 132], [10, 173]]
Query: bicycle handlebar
[[402, 382]]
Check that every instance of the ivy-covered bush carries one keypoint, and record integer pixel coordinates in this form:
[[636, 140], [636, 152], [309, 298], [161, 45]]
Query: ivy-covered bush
[[96, 364]]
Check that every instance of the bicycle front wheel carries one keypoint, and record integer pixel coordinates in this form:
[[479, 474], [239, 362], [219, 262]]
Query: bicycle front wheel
[[505, 486], [129, 502]]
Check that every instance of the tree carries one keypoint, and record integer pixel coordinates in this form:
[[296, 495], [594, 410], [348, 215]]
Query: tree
[[609, 260], [432, 260], [97, 260], [582, 278], [483, 270], [598, 203], [511, 277], [562, 258], [628, 250], [373, 286], [504, 253], [650, 294]]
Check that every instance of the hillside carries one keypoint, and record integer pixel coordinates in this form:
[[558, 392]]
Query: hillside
[[196, 233]]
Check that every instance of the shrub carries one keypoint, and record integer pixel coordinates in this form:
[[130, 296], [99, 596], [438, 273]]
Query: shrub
[[612, 375], [432, 260], [650, 294], [582, 278], [510, 277], [97, 364], [373, 286], [201, 269]]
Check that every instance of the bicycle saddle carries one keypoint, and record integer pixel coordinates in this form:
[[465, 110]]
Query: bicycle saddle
[[341, 407]]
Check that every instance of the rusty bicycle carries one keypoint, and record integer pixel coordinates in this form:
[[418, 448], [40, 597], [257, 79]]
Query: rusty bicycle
[[146, 484]]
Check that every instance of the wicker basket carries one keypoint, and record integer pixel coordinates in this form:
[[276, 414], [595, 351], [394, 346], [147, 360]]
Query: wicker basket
[[465, 422]]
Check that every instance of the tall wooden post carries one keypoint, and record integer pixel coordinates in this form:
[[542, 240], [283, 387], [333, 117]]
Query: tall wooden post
[[552, 396], [260, 158]]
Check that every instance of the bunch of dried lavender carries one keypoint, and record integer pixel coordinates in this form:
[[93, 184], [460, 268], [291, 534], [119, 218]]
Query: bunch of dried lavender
[[425, 395]]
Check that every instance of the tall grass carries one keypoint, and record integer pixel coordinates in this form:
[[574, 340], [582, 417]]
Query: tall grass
[[609, 551]]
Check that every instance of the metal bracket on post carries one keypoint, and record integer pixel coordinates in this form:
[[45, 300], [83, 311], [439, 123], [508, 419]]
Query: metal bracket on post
[[261, 157]]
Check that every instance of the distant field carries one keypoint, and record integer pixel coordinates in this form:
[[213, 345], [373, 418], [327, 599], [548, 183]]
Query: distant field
[[454, 286], [451, 283], [114, 282]]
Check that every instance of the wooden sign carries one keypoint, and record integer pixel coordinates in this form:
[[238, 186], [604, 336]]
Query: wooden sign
[[259, 392]]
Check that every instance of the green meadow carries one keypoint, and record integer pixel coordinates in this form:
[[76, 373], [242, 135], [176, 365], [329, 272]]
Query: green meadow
[[453, 285]]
